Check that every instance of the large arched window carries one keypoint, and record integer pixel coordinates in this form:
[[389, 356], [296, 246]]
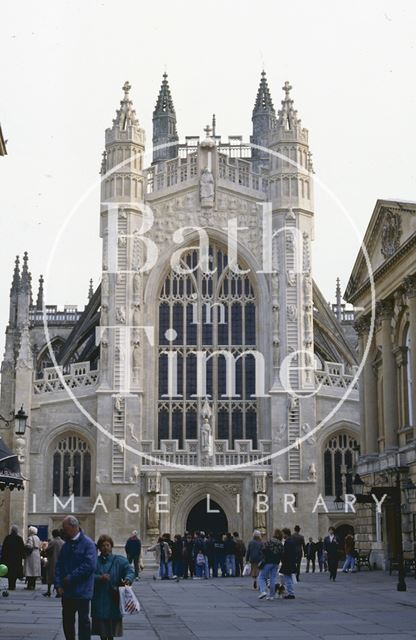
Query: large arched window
[[207, 313], [44, 358], [339, 453], [72, 467]]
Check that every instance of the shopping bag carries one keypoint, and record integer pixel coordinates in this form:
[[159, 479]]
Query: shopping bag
[[128, 601], [247, 569]]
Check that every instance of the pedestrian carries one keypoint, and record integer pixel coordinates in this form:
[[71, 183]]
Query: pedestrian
[[166, 537], [254, 555], [240, 550], [272, 552], [133, 549], [209, 550], [162, 555], [12, 554], [288, 566], [229, 550], [32, 558], [219, 556], [177, 555], [74, 578], [310, 554], [300, 548], [349, 564], [188, 556], [331, 551], [112, 572], [320, 552], [51, 554]]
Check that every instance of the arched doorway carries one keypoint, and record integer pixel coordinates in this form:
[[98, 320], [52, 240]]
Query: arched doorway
[[201, 518], [341, 532]]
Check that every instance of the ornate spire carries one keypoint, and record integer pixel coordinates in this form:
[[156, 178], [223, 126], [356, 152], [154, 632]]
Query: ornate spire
[[263, 100], [39, 299], [16, 276], [126, 115], [26, 277], [90, 290], [164, 104], [165, 135], [287, 115], [338, 300]]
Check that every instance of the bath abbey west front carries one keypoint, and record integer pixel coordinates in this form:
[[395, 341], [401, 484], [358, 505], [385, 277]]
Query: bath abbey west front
[[126, 431]]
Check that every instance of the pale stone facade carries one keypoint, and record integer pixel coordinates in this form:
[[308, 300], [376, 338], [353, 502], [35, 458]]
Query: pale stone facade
[[191, 444], [387, 330]]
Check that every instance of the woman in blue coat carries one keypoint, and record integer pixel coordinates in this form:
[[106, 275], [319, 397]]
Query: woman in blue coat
[[112, 572]]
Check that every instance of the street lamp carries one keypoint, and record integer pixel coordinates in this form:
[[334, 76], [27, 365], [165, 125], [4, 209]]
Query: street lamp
[[410, 489], [20, 421]]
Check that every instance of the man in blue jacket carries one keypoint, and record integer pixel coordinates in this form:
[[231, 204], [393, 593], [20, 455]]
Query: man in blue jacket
[[74, 579]]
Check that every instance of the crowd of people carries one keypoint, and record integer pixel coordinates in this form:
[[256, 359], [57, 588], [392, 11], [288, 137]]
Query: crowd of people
[[87, 575], [201, 555]]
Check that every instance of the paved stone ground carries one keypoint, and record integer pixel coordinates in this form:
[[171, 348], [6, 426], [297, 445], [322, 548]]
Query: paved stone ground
[[363, 605]]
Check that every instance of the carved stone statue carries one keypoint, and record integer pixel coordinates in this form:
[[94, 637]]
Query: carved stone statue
[[206, 188], [312, 472], [152, 515]]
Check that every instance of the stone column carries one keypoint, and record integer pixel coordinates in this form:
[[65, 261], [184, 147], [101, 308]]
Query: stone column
[[368, 393], [410, 284], [385, 313]]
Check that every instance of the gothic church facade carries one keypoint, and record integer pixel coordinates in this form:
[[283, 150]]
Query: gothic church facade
[[172, 384]]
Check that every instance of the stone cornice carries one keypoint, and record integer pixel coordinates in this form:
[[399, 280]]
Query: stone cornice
[[351, 294]]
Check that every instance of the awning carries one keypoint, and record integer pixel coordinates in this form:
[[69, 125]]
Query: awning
[[10, 475]]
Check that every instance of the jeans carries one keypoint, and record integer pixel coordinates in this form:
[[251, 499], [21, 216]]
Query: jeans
[[71, 606], [269, 570], [288, 582], [230, 564], [135, 561], [164, 570], [349, 563], [219, 561]]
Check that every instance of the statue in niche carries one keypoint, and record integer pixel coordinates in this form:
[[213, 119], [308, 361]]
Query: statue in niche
[[206, 440], [312, 472], [307, 286], [136, 284], [136, 362], [136, 315], [291, 278], [104, 356], [206, 188], [118, 403], [292, 312], [121, 315], [152, 514], [104, 286]]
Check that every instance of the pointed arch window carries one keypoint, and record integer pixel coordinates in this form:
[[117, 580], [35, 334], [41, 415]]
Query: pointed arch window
[[71, 467], [216, 314], [338, 452]]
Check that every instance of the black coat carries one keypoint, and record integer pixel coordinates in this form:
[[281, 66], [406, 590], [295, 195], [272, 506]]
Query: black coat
[[310, 550], [290, 552], [331, 548], [12, 554]]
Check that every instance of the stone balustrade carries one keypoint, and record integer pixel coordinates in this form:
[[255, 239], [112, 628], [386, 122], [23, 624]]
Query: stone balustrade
[[79, 376]]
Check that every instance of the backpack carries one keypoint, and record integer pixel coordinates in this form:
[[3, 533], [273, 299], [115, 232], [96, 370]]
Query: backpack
[[200, 559]]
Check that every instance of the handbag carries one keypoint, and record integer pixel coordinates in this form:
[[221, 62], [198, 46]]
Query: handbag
[[28, 550]]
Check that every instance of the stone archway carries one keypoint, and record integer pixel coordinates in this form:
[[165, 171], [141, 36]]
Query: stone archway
[[185, 496], [207, 516]]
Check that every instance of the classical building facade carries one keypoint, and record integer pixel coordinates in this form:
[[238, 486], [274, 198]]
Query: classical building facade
[[387, 339], [206, 358]]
